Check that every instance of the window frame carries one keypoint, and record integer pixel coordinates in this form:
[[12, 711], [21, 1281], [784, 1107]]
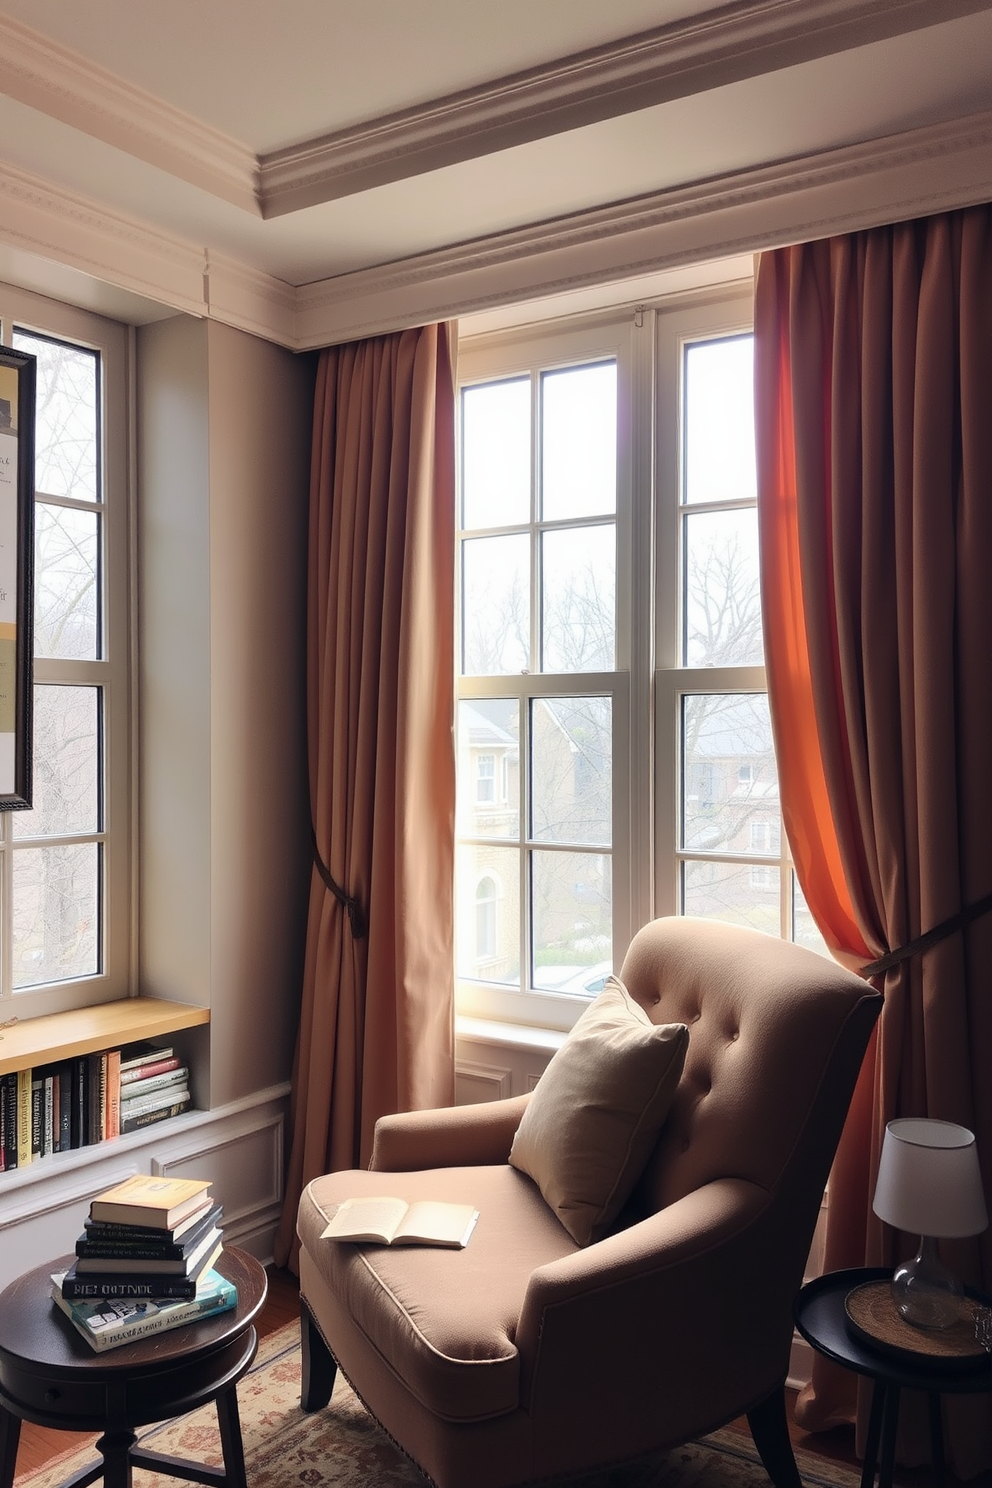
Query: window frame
[[22, 310]]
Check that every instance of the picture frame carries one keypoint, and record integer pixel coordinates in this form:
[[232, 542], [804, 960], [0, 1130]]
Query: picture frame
[[18, 383]]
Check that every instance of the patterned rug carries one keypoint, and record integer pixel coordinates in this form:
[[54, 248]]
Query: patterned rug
[[342, 1447]]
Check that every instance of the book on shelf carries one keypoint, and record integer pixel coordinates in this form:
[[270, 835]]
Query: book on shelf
[[37, 1112], [65, 1105], [148, 1070], [148, 1084], [159, 1113], [110, 1242], [388, 1221], [106, 1323], [112, 1096], [79, 1099], [9, 1090], [159, 1203], [133, 1056], [95, 1284], [23, 1118], [167, 1095]]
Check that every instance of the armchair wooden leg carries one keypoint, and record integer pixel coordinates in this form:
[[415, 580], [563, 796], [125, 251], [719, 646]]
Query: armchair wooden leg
[[319, 1368], [770, 1429]]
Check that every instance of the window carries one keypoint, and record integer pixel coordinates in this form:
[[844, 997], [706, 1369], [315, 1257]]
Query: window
[[610, 650], [64, 907]]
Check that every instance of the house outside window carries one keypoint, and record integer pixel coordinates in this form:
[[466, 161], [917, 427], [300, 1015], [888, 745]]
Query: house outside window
[[609, 624], [64, 863]]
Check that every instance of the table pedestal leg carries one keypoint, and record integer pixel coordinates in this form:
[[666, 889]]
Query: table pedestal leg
[[874, 1435], [890, 1425], [936, 1440], [230, 1438], [10, 1434], [115, 1449]]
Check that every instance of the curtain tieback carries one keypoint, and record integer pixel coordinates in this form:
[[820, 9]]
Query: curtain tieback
[[924, 942], [356, 915]]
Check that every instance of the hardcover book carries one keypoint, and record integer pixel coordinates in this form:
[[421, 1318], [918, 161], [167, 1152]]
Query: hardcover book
[[110, 1241], [158, 1202], [385, 1221], [129, 1264], [106, 1324], [142, 1052], [158, 1113], [116, 1284]]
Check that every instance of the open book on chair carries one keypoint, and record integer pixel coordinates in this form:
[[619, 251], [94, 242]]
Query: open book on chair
[[385, 1221]]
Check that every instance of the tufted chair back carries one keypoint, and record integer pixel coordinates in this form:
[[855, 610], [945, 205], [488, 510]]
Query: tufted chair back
[[768, 1023]]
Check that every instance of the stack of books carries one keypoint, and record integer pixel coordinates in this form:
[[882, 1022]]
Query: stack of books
[[145, 1261], [154, 1085]]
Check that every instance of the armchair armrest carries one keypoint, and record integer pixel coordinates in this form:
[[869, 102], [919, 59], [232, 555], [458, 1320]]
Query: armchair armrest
[[685, 1290], [450, 1137]]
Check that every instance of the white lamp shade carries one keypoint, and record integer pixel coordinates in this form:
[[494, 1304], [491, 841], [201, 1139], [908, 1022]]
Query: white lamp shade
[[929, 1181]]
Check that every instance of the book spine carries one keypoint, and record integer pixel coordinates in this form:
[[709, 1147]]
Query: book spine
[[148, 1070], [94, 1106], [23, 1118], [113, 1099], [138, 1088], [167, 1097], [10, 1135], [89, 1288], [80, 1088], [65, 1106], [37, 1112], [48, 1115], [148, 1118]]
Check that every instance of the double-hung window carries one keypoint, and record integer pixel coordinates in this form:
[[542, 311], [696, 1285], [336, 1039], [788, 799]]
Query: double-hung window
[[610, 656], [64, 863]]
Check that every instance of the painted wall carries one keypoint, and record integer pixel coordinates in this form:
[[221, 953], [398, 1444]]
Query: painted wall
[[223, 435]]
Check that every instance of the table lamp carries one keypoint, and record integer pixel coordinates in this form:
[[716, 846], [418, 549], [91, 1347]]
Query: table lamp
[[929, 1184]]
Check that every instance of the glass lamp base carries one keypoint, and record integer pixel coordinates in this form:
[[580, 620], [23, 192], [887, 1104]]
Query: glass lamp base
[[926, 1294]]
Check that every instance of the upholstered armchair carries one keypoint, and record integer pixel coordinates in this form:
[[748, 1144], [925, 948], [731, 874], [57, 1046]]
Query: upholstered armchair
[[568, 1336]]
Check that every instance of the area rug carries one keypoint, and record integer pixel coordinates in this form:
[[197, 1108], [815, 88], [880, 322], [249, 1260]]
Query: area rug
[[342, 1447]]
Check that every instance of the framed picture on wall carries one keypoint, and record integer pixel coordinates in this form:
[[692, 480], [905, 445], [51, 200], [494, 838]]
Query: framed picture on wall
[[17, 415]]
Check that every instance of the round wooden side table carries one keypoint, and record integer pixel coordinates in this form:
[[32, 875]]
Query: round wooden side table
[[821, 1317], [51, 1377]]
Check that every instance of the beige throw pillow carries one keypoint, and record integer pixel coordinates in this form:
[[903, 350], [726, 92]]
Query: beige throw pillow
[[597, 1110]]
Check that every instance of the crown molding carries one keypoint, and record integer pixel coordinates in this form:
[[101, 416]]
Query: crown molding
[[690, 55], [908, 175], [37, 72], [922, 171], [68, 229]]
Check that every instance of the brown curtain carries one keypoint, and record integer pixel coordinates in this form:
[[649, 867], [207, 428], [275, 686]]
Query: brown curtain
[[874, 433], [376, 1031]]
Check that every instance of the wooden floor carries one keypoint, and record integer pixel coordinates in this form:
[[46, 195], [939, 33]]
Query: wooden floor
[[39, 1445]]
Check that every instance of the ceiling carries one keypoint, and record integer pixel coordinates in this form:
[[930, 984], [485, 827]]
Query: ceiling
[[304, 146]]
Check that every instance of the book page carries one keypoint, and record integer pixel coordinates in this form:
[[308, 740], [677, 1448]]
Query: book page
[[436, 1222], [366, 1219]]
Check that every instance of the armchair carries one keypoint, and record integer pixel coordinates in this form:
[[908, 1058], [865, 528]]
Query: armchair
[[527, 1355]]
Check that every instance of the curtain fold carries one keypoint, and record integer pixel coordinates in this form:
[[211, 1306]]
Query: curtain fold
[[376, 1029], [873, 393]]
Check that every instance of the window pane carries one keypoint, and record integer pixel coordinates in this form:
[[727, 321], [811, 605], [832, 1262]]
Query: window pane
[[572, 911], [488, 913], [719, 420], [66, 587], [56, 900], [488, 798], [740, 893], [495, 605], [496, 454], [572, 769], [722, 596], [66, 764], [729, 779], [66, 426], [579, 442], [578, 584]]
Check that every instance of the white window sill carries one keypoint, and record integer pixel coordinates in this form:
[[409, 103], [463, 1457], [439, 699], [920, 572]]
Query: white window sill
[[508, 1035]]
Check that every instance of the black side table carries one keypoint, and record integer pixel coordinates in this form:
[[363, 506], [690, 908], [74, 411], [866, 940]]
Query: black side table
[[822, 1320], [51, 1376]]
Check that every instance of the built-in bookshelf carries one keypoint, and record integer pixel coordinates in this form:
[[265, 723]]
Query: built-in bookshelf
[[88, 1041]]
